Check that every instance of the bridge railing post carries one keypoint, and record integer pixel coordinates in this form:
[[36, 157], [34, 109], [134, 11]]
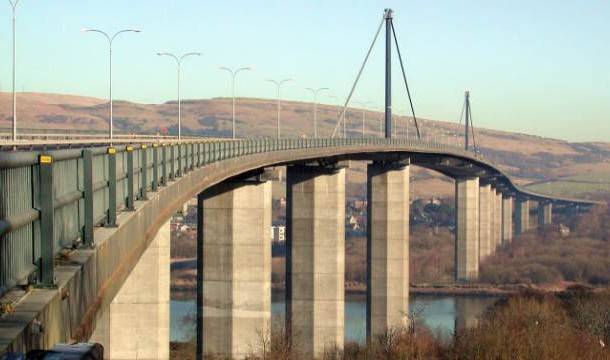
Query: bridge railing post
[[192, 156], [163, 164], [179, 172], [88, 197], [185, 158], [112, 181], [199, 154], [155, 181], [172, 163], [144, 173], [47, 221], [204, 154], [130, 192]]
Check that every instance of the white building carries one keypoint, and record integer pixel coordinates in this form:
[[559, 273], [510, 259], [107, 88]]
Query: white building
[[278, 233]]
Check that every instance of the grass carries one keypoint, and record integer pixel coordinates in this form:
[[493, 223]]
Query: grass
[[572, 188]]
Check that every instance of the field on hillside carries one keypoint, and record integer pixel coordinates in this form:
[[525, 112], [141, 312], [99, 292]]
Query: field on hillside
[[589, 184]]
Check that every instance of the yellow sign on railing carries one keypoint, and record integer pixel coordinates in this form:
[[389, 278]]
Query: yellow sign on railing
[[45, 159]]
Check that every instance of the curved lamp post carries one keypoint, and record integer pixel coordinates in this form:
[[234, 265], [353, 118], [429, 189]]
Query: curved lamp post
[[179, 69], [233, 75], [110, 42], [279, 84], [315, 108]]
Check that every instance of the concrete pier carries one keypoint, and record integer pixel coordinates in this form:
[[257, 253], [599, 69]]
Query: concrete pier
[[486, 246], [545, 214], [315, 258], [507, 219], [387, 247], [497, 219], [467, 229], [136, 325], [236, 267], [522, 216]]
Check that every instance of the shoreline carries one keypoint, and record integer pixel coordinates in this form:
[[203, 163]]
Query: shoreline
[[188, 292]]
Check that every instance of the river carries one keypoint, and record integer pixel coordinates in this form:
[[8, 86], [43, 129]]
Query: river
[[439, 313]]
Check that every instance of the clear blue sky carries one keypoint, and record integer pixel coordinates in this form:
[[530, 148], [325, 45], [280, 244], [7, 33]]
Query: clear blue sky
[[539, 67]]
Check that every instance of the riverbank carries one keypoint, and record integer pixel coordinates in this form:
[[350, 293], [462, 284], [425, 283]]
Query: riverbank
[[184, 286], [183, 291], [568, 325]]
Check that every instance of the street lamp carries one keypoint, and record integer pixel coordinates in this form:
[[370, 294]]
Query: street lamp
[[179, 68], [315, 108], [233, 75], [363, 105], [110, 41], [279, 84], [14, 4]]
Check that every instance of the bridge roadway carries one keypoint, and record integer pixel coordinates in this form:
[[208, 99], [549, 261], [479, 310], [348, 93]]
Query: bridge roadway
[[80, 224]]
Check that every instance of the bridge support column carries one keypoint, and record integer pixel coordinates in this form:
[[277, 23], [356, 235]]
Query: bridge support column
[[136, 325], [522, 216], [467, 229], [315, 258], [486, 205], [492, 220], [387, 248], [507, 219], [236, 239], [499, 218], [545, 214]]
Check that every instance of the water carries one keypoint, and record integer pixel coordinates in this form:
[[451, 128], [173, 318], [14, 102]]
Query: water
[[439, 313]]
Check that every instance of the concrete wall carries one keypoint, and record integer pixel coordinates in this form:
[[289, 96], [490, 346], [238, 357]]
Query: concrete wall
[[236, 268], [388, 248], [486, 207], [522, 216], [467, 229], [136, 324], [507, 219], [315, 259]]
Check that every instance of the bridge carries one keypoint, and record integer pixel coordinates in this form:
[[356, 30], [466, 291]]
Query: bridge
[[88, 227], [85, 233]]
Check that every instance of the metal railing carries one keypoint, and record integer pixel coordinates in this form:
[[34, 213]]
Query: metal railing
[[53, 200]]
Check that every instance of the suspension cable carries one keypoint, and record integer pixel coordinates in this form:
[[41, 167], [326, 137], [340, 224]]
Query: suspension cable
[[462, 112], [474, 141], [404, 76], [342, 117]]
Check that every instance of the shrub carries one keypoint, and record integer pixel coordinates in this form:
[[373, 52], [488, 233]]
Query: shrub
[[526, 327]]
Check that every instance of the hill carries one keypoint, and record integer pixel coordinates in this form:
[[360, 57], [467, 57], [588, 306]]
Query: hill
[[531, 159]]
